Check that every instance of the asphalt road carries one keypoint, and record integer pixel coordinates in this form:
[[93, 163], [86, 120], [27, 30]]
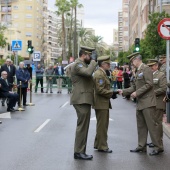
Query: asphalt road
[[42, 138]]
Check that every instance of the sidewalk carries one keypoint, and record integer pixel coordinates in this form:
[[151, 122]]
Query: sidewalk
[[166, 126]]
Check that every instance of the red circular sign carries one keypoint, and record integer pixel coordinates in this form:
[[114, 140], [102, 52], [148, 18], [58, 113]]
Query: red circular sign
[[164, 28]]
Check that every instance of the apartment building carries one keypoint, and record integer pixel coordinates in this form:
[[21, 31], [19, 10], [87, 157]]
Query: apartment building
[[52, 26], [120, 31], [138, 16], [125, 25], [115, 42], [24, 21]]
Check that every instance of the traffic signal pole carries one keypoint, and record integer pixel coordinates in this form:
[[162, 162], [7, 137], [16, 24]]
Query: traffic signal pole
[[167, 76]]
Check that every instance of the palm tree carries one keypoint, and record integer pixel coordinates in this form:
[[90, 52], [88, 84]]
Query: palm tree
[[97, 43], [84, 36], [74, 5], [63, 9]]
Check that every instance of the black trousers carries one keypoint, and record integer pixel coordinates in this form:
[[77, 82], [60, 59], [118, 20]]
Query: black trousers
[[37, 82], [23, 95], [13, 98], [119, 84]]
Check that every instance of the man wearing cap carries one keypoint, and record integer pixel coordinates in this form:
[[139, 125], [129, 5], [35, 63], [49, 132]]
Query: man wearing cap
[[160, 85], [143, 90], [162, 59], [102, 95], [82, 98]]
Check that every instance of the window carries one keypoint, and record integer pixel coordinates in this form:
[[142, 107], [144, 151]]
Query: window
[[28, 34], [29, 7], [15, 16], [15, 7], [28, 16], [28, 25]]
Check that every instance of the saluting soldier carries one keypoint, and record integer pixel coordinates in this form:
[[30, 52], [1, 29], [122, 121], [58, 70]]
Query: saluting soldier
[[162, 60], [82, 98], [102, 95], [143, 90], [160, 86]]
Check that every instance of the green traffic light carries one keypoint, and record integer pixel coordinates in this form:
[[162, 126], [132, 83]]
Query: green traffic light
[[137, 49], [29, 49]]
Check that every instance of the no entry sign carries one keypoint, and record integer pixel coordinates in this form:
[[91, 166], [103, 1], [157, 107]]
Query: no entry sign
[[164, 28]]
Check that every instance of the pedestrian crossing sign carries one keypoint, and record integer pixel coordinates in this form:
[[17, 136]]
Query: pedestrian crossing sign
[[16, 45]]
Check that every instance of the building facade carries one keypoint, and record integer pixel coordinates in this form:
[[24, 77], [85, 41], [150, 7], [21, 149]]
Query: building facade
[[51, 49], [24, 21], [120, 31], [125, 22], [139, 11], [115, 42]]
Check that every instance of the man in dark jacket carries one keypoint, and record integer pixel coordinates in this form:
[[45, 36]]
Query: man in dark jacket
[[39, 77], [10, 69], [5, 92], [23, 76]]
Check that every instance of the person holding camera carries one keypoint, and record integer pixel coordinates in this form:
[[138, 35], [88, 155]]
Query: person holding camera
[[102, 95], [82, 98]]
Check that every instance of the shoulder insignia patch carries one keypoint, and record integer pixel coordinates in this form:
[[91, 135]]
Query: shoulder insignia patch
[[80, 65], [101, 81]]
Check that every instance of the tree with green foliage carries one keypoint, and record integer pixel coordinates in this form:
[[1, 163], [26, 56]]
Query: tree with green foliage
[[63, 9], [3, 40], [153, 45], [75, 4]]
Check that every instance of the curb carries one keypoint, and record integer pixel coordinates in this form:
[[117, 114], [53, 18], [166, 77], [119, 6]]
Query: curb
[[166, 129]]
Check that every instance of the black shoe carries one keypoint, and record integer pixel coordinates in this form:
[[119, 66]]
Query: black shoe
[[51, 92], [82, 156], [151, 145], [25, 104], [105, 151], [155, 152], [42, 92], [95, 147], [11, 110], [58, 92], [46, 91], [0, 122], [138, 150]]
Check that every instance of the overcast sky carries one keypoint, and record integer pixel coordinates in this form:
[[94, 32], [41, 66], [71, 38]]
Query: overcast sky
[[101, 15]]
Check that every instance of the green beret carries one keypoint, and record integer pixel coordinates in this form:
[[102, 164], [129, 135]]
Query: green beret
[[105, 59], [151, 62], [133, 55], [87, 49]]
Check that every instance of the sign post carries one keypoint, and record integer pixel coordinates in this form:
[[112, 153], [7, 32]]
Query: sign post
[[164, 32], [37, 56]]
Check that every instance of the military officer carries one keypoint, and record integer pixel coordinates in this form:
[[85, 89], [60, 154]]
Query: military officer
[[102, 95], [162, 60], [160, 86], [143, 90], [82, 98]]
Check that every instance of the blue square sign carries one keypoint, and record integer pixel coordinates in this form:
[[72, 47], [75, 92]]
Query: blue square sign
[[16, 45], [37, 56]]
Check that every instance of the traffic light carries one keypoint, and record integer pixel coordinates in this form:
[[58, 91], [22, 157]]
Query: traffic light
[[30, 48], [137, 45]]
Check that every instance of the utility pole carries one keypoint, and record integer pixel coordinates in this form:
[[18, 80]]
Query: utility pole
[[160, 7]]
